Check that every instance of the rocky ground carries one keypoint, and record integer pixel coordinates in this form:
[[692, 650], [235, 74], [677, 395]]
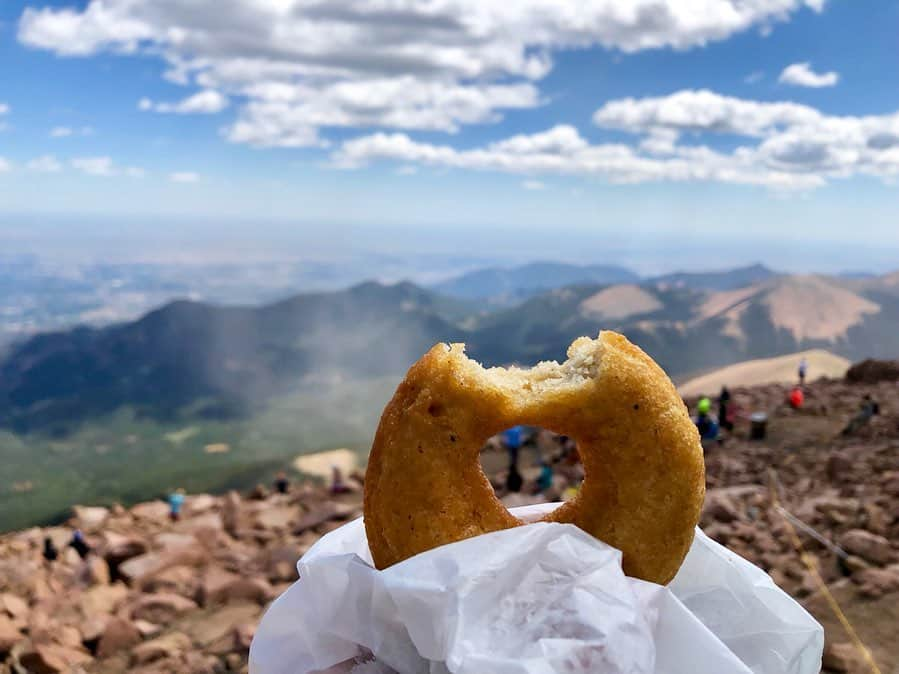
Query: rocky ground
[[153, 595], [162, 596]]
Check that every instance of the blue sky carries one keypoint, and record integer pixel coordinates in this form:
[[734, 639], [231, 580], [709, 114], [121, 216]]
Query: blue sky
[[644, 123]]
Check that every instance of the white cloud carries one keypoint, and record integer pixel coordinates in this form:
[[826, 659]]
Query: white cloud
[[4, 108], [533, 185], [290, 115], [701, 111], [4, 165], [802, 75], [95, 166], [754, 77], [205, 102], [45, 164], [66, 131], [184, 177], [300, 65], [105, 167], [788, 146]]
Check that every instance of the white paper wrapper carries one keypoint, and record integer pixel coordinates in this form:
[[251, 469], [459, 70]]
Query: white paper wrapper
[[538, 599]]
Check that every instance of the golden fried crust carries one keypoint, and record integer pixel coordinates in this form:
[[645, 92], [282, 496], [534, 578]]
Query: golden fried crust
[[645, 476]]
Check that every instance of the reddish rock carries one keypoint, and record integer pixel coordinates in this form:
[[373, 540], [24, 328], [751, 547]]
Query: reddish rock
[[142, 568], [92, 627], [243, 636], [252, 589], [171, 644], [152, 510], [215, 584], [870, 547], [90, 519], [839, 467], [875, 519], [231, 507], [120, 634], [329, 511], [146, 628], [97, 571], [102, 599], [52, 659], [276, 517], [841, 657], [719, 507], [181, 580], [117, 548], [197, 504], [877, 582], [68, 635], [13, 605], [9, 635], [160, 608]]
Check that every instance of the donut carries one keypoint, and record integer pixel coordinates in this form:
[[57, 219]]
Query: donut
[[645, 475]]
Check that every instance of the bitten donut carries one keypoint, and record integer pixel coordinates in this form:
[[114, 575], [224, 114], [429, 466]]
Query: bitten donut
[[645, 476]]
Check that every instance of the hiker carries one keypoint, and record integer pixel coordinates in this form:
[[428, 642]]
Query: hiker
[[176, 500], [723, 401], [545, 479], [796, 398], [512, 439], [79, 544], [282, 484], [514, 479], [803, 368], [705, 424], [50, 552], [337, 484], [868, 409]]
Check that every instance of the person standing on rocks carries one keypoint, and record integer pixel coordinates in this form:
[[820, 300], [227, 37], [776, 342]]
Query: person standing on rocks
[[723, 402], [512, 439], [50, 552], [803, 369], [705, 424], [545, 479], [338, 486], [79, 544], [176, 500], [282, 484], [514, 479]]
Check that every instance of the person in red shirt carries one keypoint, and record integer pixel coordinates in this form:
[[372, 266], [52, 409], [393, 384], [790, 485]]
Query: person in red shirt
[[797, 397]]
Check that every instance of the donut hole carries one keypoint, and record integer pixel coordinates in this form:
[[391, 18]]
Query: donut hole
[[546, 464]]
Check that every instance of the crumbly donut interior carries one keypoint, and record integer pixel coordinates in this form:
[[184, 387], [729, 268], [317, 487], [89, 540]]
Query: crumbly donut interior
[[582, 365]]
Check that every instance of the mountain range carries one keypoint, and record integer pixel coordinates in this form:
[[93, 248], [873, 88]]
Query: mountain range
[[222, 361]]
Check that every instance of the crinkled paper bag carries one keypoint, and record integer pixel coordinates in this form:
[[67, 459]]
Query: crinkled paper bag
[[536, 599]]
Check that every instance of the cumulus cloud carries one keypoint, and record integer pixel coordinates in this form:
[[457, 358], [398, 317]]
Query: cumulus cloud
[[104, 167], [788, 146], [184, 177], [302, 65], [45, 164], [4, 108], [701, 111], [802, 75], [4, 165], [205, 102]]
